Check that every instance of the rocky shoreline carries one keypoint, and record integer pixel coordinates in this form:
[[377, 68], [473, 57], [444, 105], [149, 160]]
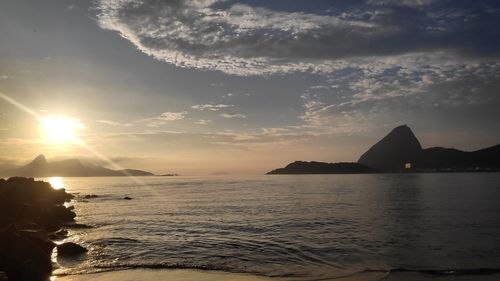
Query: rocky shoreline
[[32, 217]]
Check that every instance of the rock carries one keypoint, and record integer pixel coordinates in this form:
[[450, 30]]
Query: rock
[[25, 255], [69, 249], [76, 225], [29, 210], [127, 198], [63, 214], [90, 196], [58, 235]]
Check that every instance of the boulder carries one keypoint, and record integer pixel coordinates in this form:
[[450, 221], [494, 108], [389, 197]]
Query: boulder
[[25, 255], [70, 249], [29, 210]]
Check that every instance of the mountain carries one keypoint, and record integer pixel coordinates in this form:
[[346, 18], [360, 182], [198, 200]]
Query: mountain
[[40, 167], [301, 167], [400, 150], [392, 152], [134, 172], [450, 159]]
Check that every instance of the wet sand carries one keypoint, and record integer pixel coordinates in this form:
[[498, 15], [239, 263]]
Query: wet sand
[[200, 275], [171, 275]]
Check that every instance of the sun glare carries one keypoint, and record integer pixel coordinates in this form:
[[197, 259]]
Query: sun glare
[[61, 130], [56, 182]]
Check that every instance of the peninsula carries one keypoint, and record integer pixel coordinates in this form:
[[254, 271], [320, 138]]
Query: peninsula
[[401, 151]]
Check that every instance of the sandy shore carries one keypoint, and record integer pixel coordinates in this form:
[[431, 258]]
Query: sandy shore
[[198, 275], [171, 275]]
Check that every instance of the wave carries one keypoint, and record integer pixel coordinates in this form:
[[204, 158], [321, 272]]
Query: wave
[[434, 272], [461, 271]]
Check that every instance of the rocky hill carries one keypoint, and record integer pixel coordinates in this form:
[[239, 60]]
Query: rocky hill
[[400, 151], [40, 167]]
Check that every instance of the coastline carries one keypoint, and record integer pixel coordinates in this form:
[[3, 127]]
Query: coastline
[[33, 222], [166, 274], [96, 195], [196, 275]]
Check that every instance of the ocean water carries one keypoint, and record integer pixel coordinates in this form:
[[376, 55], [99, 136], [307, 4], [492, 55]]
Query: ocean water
[[298, 227]]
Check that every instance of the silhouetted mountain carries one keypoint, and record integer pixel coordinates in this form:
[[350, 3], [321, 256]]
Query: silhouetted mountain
[[40, 167], [444, 159], [301, 167], [400, 150], [391, 153], [134, 172]]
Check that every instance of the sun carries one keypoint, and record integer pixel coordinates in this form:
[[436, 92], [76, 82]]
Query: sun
[[61, 130]]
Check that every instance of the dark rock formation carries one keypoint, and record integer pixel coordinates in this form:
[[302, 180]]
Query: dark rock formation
[[401, 151], [58, 235], [127, 198], [70, 249], [29, 211], [301, 167], [74, 225], [40, 167], [25, 255], [392, 152]]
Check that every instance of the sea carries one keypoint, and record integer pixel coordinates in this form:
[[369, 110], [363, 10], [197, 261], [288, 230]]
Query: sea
[[293, 227]]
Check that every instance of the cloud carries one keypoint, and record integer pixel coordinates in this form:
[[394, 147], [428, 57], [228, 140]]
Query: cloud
[[203, 122], [375, 91], [164, 118], [240, 39], [211, 107], [235, 115], [408, 3], [172, 116], [113, 123]]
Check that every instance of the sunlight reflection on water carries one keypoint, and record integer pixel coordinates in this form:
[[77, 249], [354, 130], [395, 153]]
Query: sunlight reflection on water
[[56, 182]]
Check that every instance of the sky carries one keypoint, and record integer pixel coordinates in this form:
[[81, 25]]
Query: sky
[[243, 87]]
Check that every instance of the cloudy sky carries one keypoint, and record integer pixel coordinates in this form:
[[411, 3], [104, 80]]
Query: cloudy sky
[[206, 86]]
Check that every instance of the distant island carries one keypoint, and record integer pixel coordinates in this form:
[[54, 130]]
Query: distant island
[[40, 167], [170, 175], [400, 151], [302, 167]]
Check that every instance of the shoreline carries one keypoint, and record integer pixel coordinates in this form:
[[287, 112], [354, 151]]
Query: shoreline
[[196, 275], [162, 274]]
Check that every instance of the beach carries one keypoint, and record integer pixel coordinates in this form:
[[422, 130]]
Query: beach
[[171, 275], [196, 275]]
